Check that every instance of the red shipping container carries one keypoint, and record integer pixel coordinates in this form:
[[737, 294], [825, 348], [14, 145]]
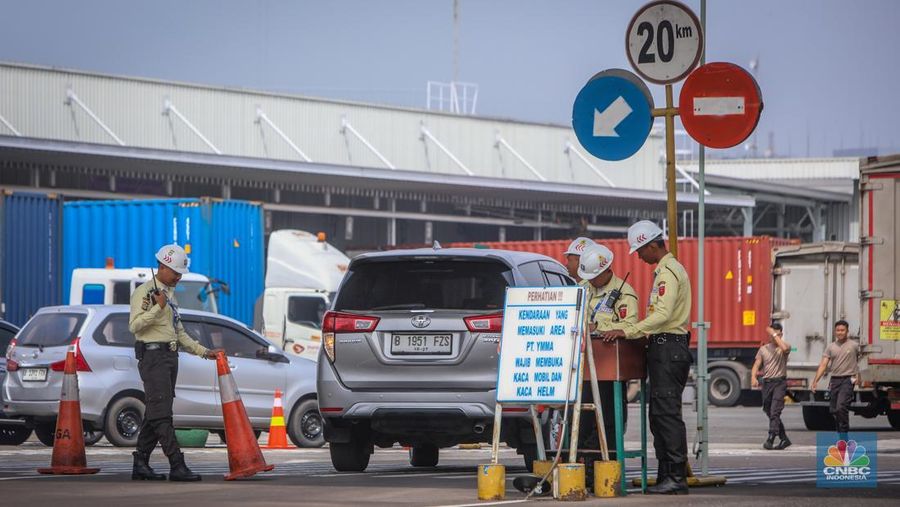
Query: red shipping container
[[738, 280]]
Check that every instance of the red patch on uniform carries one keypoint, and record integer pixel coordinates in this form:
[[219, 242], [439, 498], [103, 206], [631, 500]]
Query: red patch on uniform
[[661, 289], [623, 312]]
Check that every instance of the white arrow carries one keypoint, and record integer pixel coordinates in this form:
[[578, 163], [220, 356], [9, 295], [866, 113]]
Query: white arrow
[[605, 123]]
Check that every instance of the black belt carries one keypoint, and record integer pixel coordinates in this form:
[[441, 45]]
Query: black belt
[[662, 338], [171, 346], [776, 379], [841, 377]]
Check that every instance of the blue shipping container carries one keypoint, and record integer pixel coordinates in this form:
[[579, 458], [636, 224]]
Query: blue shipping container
[[224, 240], [29, 267]]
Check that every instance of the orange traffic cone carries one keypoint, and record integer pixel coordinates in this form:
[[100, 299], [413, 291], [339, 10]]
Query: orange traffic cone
[[277, 431], [68, 444], [244, 457]]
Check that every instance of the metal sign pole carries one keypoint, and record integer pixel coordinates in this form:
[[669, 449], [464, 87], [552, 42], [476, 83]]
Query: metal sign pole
[[702, 359], [669, 112]]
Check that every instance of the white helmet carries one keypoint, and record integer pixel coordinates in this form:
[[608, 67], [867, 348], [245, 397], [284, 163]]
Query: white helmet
[[595, 260], [174, 257], [578, 246], [642, 233]]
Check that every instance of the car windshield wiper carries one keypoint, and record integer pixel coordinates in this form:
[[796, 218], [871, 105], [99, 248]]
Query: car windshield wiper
[[406, 306]]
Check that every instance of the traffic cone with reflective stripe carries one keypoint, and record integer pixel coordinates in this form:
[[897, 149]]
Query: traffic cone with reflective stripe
[[277, 431], [245, 459], [68, 443]]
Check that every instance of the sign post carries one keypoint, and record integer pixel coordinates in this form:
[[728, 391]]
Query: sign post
[[664, 43]]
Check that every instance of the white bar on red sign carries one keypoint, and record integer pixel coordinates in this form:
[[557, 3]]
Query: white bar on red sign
[[718, 106]]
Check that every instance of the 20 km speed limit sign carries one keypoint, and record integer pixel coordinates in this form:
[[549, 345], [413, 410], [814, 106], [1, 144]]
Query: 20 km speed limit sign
[[664, 42]]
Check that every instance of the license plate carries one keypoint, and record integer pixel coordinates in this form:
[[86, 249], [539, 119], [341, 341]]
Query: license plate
[[421, 344], [34, 374]]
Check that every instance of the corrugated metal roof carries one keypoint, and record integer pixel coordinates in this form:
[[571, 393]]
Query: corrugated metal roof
[[133, 109], [781, 168]]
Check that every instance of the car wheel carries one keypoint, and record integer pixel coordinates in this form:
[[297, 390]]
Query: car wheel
[[724, 387], [529, 454], [894, 419], [424, 455], [45, 432], [13, 435], [817, 418], [92, 437], [350, 457], [123, 421], [305, 425]]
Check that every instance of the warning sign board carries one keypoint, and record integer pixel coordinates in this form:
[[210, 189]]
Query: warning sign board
[[890, 319], [540, 328]]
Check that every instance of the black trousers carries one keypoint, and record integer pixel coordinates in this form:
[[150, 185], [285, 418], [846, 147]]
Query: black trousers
[[159, 370], [588, 436], [668, 365], [841, 395], [773, 392]]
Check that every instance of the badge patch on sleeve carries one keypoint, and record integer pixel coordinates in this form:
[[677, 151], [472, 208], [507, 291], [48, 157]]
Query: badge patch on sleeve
[[661, 289], [623, 312], [147, 302]]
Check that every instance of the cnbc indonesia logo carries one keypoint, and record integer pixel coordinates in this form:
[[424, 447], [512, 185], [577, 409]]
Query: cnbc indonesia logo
[[847, 461]]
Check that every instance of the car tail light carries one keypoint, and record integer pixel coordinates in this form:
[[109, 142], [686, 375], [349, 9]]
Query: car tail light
[[10, 348], [485, 323], [334, 323], [11, 365], [81, 363]]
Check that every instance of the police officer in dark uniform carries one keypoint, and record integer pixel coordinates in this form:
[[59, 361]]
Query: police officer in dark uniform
[[155, 322], [668, 355]]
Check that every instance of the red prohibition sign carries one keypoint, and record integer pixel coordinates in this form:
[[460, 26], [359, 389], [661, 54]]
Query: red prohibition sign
[[720, 105]]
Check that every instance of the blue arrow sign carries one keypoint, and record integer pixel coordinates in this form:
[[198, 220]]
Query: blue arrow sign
[[611, 115]]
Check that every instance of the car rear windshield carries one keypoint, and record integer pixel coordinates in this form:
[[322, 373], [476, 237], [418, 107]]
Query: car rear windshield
[[50, 330], [425, 283]]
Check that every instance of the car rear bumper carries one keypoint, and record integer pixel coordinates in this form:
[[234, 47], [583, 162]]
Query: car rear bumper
[[337, 400]]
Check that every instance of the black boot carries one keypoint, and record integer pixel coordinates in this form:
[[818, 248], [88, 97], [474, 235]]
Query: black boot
[[179, 471], [674, 483], [769, 444], [662, 470], [785, 442], [141, 470]]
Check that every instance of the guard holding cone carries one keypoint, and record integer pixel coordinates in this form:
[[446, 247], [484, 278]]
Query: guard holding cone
[[156, 325], [611, 302], [668, 355]]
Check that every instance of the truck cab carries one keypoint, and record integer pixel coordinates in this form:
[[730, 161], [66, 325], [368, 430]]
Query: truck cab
[[303, 273], [111, 286], [292, 319]]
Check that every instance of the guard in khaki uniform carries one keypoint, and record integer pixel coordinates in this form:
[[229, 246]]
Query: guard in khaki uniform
[[611, 302], [668, 356], [771, 361], [843, 356], [157, 327]]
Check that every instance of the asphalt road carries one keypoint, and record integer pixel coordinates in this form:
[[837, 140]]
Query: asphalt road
[[305, 476]]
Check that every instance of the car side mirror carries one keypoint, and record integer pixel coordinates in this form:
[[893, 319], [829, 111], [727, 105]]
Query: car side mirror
[[273, 355]]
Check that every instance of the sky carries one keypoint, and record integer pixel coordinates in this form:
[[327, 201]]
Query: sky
[[827, 69]]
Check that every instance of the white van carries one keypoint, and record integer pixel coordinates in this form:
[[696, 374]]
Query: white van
[[97, 286]]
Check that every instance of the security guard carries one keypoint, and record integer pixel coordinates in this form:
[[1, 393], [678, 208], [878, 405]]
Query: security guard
[[158, 331], [668, 356], [843, 356], [573, 256], [611, 302]]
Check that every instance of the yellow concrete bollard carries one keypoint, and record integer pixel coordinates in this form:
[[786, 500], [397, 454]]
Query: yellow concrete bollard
[[607, 476], [570, 485], [491, 482], [541, 468]]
